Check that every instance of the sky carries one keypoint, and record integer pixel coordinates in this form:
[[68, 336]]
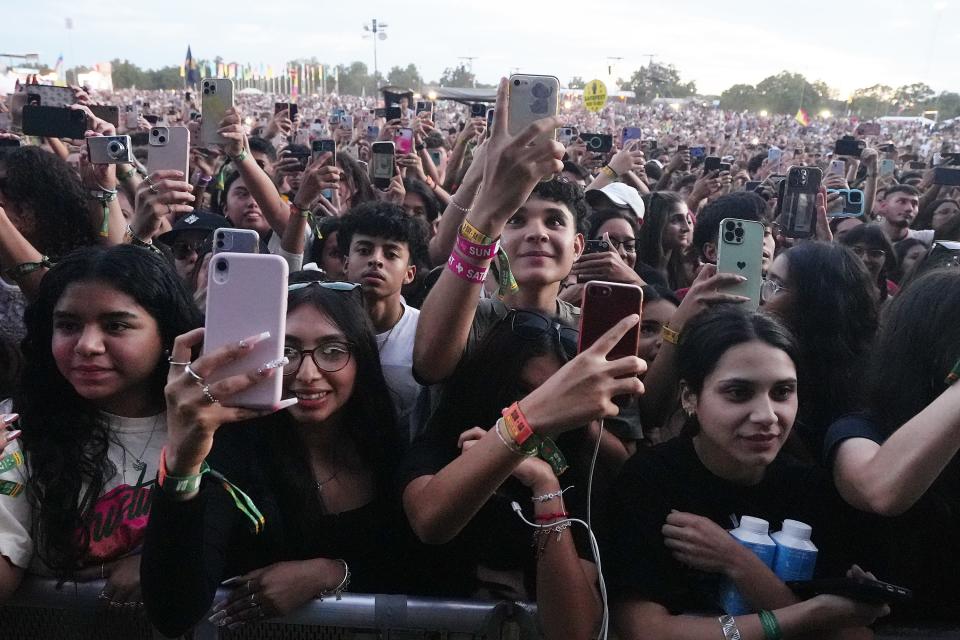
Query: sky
[[716, 44]]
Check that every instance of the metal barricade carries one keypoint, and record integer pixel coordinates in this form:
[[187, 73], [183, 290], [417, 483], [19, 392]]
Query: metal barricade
[[39, 610]]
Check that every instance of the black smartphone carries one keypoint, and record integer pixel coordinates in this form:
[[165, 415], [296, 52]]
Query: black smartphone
[[598, 142], [152, 119], [725, 166], [9, 142], [424, 106], [798, 212], [711, 163], [916, 165], [106, 112], [382, 164], [392, 113], [947, 176], [478, 110], [380, 112], [596, 246], [54, 122], [326, 145], [293, 110], [752, 185], [280, 106], [848, 146], [859, 589], [303, 157]]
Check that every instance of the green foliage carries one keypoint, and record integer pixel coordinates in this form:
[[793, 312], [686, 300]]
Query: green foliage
[[576, 82], [658, 81], [458, 76], [408, 78]]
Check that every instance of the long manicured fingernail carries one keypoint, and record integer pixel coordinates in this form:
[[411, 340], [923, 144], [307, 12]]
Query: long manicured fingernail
[[10, 417], [274, 364], [252, 341], [13, 435], [289, 402], [217, 617]]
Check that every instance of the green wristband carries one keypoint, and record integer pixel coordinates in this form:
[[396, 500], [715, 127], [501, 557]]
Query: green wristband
[[771, 628]]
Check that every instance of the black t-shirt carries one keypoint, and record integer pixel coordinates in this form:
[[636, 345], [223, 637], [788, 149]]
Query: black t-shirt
[[636, 562], [917, 549], [496, 537]]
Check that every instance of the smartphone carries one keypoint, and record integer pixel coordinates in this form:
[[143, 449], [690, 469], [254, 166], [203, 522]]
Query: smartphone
[[392, 113], [403, 141], [887, 148], [838, 167], [604, 305], [710, 164], [740, 251], [798, 213], [868, 129], [848, 146], [44, 95], [916, 165], [596, 246], [597, 142], [489, 130], [859, 589], [725, 167], [478, 110], [381, 164], [435, 157], [334, 120], [294, 111], [247, 295], [774, 155], [320, 147], [280, 106], [698, 152], [346, 122], [54, 122], [131, 115], [9, 142], [887, 167], [152, 119], [227, 240], [532, 98], [106, 112], [217, 98], [852, 203], [303, 157], [379, 112], [630, 133], [424, 106], [752, 185], [109, 150], [373, 132], [169, 148], [566, 135], [947, 176]]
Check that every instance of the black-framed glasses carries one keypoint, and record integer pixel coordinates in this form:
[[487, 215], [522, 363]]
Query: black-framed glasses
[[329, 356], [873, 254], [531, 325], [629, 246], [182, 249]]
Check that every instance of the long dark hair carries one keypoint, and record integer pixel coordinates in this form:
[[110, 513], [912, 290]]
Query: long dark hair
[[355, 175], [51, 191], [660, 205], [916, 347], [64, 435], [368, 415], [874, 237], [833, 311]]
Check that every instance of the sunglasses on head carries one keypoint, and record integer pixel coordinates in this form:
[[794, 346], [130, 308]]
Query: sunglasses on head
[[530, 325], [334, 286]]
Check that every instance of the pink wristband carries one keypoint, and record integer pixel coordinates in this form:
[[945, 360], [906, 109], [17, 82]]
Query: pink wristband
[[465, 270], [474, 250]]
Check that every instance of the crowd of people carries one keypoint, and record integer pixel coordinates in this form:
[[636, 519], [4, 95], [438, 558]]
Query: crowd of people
[[442, 432]]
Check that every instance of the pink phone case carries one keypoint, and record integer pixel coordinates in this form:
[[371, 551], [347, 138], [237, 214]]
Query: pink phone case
[[169, 148], [247, 295]]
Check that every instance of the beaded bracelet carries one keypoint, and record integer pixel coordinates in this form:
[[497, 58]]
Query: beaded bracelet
[[340, 588], [134, 240], [550, 496], [453, 203]]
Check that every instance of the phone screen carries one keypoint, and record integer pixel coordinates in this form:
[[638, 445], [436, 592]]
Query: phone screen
[[383, 166]]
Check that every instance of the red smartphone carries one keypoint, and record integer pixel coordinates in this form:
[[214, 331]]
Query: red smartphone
[[604, 305]]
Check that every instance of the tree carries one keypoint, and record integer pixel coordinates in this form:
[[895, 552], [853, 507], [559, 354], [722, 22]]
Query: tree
[[127, 75], [408, 78], [910, 97], [786, 92], [658, 81], [576, 82], [457, 77], [872, 102], [741, 97], [354, 80]]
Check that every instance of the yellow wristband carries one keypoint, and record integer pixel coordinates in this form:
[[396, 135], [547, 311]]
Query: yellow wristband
[[474, 235], [670, 335], [610, 173]]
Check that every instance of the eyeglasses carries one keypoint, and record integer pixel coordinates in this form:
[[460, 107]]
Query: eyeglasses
[[873, 254], [769, 290], [183, 250], [629, 246], [329, 357], [531, 325]]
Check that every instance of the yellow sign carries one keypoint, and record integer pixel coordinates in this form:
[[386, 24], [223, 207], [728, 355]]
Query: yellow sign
[[594, 95]]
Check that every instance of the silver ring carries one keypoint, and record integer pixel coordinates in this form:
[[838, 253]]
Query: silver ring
[[211, 400], [193, 374], [177, 364], [153, 188]]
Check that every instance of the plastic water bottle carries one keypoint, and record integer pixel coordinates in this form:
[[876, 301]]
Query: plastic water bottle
[[753, 534], [796, 555]]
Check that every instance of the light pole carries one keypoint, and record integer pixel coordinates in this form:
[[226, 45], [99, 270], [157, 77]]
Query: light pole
[[377, 31]]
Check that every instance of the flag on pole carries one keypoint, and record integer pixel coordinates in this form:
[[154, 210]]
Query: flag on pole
[[189, 70], [802, 117], [220, 70]]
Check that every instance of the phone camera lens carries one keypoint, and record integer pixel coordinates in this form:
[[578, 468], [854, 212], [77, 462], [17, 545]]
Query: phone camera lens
[[728, 236], [162, 139], [220, 243], [222, 265], [516, 83], [730, 225]]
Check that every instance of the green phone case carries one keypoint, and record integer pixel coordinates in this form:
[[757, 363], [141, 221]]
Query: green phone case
[[740, 251]]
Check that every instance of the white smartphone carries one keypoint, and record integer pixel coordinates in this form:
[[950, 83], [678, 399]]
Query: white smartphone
[[217, 98], [838, 167], [532, 98], [131, 115], [247, 295], [887, 167], [169, 148]]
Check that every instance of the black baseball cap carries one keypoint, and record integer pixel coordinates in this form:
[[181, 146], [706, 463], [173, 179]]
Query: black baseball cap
[[200, 220]]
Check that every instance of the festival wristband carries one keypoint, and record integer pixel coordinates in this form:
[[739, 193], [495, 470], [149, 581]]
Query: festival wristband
[[10, 488], [551, 454], [473, 234], [771, 628], [479, 251], [516, 423], [15, 459], [508, 283], [465, 270], [552, 516]]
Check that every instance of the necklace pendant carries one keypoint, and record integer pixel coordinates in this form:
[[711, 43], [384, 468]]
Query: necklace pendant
[[139, 465]]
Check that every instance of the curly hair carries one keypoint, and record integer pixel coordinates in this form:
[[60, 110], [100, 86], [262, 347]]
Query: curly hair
[[67, 440], [50, 190]]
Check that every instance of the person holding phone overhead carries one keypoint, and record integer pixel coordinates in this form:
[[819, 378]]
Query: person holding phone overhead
[[76, 503], [310, 509], [667, 550]]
